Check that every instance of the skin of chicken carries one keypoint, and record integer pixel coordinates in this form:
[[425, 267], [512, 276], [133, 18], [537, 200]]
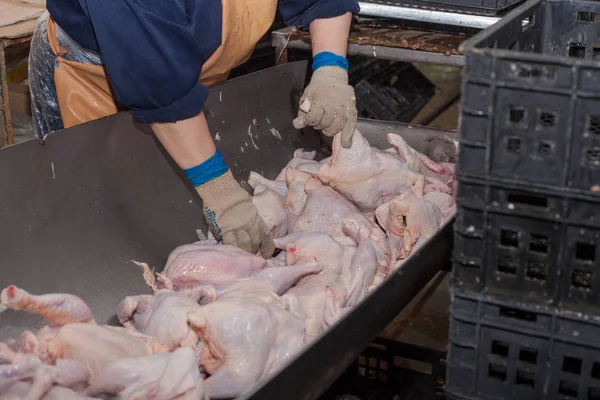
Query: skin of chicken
[[163, 316], [160, 376], [58, 308], [244, 341], [194, 265], [325, 210]]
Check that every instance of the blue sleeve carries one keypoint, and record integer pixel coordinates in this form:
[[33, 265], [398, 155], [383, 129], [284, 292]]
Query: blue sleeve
[[153, 51], [303, 12]]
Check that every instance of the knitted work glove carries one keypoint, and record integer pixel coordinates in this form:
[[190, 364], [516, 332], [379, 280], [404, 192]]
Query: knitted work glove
[[233, 218], [329, 104]]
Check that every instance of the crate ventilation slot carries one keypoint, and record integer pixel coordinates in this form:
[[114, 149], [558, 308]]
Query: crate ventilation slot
[[586, 16], [497, 372], [547, 119], [576, 50], [585, 252], [516, 114], [596, 53], [517, 314], [596, 371], [593, 124], [539, 243], [545, 149], [582, 279], [537, 270], [514, 145], [525, 378], [528, 200], [500, 348], [568, 389], [508, 265], [592, 156], [509, 238], [528, 22], [572, 365]]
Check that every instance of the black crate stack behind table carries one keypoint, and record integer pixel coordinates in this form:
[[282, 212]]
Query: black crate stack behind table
[[525, 317]]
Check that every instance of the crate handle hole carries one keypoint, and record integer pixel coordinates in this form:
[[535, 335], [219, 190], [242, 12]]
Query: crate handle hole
[[539, 243], [576, 50], [497, 372], [536, 270], [586, 16], [568, 389], [528, 356], [547, 119], [527, 71], [517, 314], [596, 371], [585, 252], [596, 53], [528, 200], [508, 265], [571, 365], [516, 115], [509, 238], [593, 124], [525, 378], [500, 348], [592, 156], [582, 279]]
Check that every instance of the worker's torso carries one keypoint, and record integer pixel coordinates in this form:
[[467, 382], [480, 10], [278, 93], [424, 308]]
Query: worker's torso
[[78, 17]]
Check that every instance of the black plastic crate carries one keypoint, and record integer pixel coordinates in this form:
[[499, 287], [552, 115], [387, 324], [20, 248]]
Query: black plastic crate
[[390, 91], [392, 370], [530, 109], [481, 7], [509, 350], [530, 244]]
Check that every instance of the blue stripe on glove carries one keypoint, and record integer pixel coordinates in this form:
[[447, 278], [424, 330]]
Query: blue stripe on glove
[[325, 58], [210, 169]]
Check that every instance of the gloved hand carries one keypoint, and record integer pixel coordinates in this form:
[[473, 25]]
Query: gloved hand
[[231, 215], [329, 104]]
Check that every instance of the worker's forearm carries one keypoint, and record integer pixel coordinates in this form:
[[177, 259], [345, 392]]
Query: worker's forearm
[[331, 34], [189, 141]]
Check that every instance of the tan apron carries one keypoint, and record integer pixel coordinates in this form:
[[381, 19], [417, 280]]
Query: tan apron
[[83, 90]]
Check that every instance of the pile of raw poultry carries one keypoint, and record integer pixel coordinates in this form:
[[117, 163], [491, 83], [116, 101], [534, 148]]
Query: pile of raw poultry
[[221, 319]]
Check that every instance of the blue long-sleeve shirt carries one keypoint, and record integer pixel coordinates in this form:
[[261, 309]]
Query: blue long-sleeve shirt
[[153, 50]]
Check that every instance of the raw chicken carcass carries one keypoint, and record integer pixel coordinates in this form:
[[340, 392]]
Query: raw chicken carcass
[[167, 376], [162, 315], [198, 264], [367, 176], [325, 211], [244, 340]]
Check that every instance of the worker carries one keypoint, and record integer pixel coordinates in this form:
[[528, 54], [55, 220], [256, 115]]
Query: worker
[[92, 58]]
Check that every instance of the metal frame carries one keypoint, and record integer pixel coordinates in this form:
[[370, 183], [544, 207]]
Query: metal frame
[[6, 132], [282, 41], [427, 15]]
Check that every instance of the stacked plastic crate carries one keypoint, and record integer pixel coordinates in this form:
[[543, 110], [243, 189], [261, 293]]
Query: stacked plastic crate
[[525, 318]]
